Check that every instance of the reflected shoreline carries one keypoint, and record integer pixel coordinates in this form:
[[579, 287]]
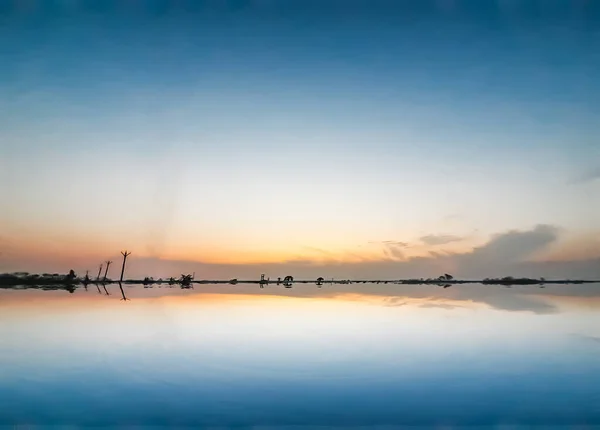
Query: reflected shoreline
[[73, 286], [26, 280]]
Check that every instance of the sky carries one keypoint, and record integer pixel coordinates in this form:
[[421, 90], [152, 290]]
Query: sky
[[346, 138]]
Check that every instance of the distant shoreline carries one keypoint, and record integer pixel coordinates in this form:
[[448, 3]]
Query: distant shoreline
[[186, 281]]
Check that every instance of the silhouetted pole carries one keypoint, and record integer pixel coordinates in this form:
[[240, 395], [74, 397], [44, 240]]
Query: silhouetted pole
[[122, 292], [99, 271], [124, 254], [108, 263]]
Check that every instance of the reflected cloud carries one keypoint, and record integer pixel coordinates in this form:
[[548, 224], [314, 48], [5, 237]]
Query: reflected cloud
[[595, 339], [550, 300], [395, 301], [520, 303], [589, 339], [440, 305]]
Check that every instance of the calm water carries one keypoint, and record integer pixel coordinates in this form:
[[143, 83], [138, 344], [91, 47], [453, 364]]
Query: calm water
[[345, 355]]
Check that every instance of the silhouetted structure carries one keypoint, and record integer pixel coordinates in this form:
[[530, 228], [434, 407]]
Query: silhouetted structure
[[124, 254], [70, 280], [99, 271], [186, 281], [108, 263], [263, 281]]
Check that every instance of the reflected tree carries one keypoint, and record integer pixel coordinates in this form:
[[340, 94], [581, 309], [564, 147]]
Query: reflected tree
[[124, 298]]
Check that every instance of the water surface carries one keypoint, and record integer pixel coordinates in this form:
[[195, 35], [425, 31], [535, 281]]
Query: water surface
[[337, 356]]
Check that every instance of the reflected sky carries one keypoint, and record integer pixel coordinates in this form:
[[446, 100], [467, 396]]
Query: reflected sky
[[336, 356]]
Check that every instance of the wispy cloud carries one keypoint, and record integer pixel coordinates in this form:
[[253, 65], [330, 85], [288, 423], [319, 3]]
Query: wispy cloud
[[587, 176], [393, 252], [594, 339], [587, 338], [319, 250], [391, 242], [452, 217], [395, 243], [392, 249], [440, 239]]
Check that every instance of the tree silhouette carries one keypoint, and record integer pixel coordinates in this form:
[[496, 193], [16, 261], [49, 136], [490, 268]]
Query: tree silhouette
[[71, 276]]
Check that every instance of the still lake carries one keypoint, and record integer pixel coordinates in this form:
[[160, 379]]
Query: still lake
[[333, 357]]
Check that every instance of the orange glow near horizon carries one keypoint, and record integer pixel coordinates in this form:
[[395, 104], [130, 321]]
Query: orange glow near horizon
[[28, 249]]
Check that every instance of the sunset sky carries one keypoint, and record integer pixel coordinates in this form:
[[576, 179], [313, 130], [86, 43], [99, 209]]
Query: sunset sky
[[336, 137]]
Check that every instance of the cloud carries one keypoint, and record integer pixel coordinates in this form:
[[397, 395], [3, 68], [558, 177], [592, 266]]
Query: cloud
[[394, 250], [588, 176], [391, 242], [440, 239], [513, 246], [395, 253], [395, 243], [319, 250], [452, 217]]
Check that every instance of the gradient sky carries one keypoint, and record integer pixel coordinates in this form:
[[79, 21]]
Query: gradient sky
[[269, 132]]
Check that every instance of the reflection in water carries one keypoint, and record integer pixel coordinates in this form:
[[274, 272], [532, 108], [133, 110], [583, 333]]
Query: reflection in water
[[337, 356], [122, 292]]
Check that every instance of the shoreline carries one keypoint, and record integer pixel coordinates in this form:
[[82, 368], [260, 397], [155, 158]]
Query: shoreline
[[11, 280]]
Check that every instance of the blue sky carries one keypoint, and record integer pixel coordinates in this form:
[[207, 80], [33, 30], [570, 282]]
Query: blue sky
[[244, 132]]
